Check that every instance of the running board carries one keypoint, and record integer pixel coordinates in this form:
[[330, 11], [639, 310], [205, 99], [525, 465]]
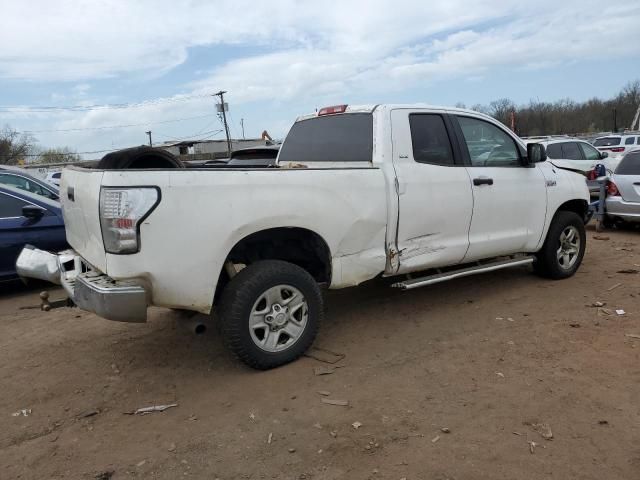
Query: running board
[[464, 272]]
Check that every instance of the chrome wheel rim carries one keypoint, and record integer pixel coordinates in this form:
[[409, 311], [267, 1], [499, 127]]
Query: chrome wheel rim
[[568, 247], [278, 318]]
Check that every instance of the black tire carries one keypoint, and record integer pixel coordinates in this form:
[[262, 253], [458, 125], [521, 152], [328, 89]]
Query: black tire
[[547, 263], [139, 157], [241, 294]]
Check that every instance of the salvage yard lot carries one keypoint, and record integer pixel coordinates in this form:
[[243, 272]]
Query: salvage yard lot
[[484, 357]]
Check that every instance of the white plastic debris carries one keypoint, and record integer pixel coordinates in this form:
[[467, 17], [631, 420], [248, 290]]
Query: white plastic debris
[[154, 408], [356, 425], [619, 311], [25, 412]]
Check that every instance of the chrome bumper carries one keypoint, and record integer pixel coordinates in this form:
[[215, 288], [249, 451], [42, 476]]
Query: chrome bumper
[[120, 300]]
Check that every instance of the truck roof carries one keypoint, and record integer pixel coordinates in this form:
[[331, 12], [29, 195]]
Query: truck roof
[[389, 106]]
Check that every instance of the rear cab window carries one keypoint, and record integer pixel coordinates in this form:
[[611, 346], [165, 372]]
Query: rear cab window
[[345, 137], [629, 140], [607, 141]]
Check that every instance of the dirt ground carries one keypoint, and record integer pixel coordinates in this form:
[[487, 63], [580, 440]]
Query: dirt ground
[[486, 358]]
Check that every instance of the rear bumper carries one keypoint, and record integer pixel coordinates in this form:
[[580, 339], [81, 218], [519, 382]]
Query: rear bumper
[[120, 300], [617, 207]]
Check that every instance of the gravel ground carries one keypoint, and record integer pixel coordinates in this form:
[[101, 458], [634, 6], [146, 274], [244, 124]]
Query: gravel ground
[[461, 380]]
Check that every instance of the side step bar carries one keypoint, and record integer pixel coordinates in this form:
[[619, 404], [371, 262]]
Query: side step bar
[[463, 272]]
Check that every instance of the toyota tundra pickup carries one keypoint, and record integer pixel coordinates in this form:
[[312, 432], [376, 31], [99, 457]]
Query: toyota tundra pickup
[[357, 192]]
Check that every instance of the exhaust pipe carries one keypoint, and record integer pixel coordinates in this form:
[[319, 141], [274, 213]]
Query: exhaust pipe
[[195, 323]]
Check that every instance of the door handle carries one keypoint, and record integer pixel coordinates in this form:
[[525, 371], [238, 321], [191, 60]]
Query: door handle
[[483, 181]]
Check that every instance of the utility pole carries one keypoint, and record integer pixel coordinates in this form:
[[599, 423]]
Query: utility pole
[[615, 120], [242, 125], [150, 142], [224, 118]]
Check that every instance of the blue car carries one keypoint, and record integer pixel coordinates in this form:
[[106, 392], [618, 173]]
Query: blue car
[[27, 218]]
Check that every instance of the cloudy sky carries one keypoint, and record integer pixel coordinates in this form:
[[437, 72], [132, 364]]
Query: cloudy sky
[[157, 62]]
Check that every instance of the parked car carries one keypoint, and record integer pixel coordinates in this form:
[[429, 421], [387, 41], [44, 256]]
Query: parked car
[[27, 218], [18, 178], [623, 191], [54, 178], [357, 193], [616, 146], [254, 156]]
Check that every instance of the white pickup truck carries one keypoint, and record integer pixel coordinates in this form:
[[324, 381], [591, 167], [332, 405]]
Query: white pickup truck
[[356, 193]]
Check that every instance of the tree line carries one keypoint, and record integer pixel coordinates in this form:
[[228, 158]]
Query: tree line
[[20, 148], [567, 116]]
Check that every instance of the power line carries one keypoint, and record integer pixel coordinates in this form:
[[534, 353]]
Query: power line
[[106, 127], [84, 108]]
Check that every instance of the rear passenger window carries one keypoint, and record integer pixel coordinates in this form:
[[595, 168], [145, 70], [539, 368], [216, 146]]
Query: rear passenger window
[[570, 151], [629, 141], [630, 165], [554, 150], [431, 143], [589, 152]]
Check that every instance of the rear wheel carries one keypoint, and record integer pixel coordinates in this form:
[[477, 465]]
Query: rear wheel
[[563, 250], [270, 313]]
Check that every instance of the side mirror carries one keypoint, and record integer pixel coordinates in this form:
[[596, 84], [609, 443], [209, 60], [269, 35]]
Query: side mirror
[[604, 154], [33, 211], [536, 153]]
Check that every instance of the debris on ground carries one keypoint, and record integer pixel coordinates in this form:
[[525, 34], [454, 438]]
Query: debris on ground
[[532, 446], [517, 433], [292, 450], [151, 409], [326, 356], [89, 413], [172, 447], [620, 311], [322, 370], [435, 439], [574, 325], [445, 430], [270, 438], [356, 425], [600, 237], [105, 475], [333, 433], [500, 374], [613, 287], [333, 401], [629, 270], [598, 304], [632, 335], [324, 393], [606, 311], [25, 412], [603, 422], [543, 429]]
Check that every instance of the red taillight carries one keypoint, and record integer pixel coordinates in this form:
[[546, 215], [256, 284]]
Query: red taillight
[[332, 110], [614, 149], [612, 189]]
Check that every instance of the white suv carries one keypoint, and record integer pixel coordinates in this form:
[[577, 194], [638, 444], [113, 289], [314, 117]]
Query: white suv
[[616, 145], [570, 152]]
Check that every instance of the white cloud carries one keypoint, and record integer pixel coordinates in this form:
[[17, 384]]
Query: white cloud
[[315, 50]]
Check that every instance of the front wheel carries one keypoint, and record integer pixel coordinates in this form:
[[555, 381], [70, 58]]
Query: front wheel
[[563, 249], [270, 313]]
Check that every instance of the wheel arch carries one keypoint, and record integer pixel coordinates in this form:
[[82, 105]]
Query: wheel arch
[[297, 245]]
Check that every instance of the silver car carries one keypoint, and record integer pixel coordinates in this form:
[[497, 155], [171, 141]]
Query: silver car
[[623, 200]]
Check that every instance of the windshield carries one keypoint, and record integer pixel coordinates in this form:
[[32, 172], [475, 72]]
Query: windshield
[[607, 141]]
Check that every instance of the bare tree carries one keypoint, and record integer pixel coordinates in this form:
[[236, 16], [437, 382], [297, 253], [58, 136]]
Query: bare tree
[[14, 146], [57, 155]]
